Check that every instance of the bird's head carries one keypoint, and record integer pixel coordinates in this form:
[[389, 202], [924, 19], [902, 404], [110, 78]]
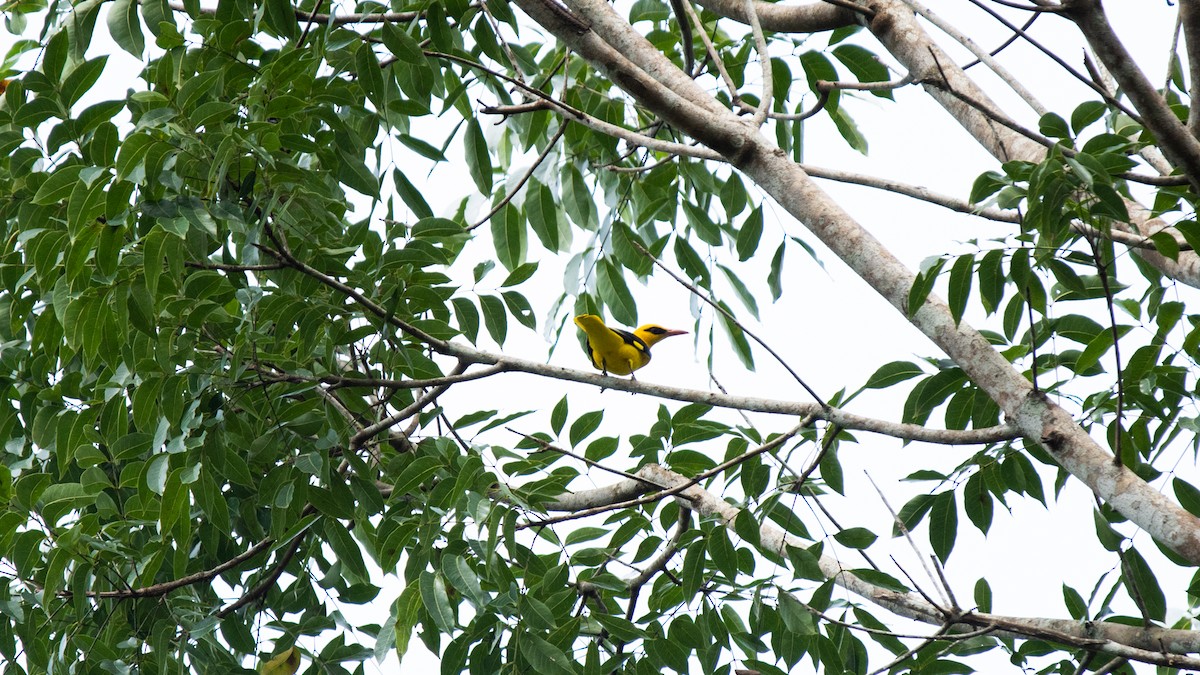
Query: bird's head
[[652, 333]]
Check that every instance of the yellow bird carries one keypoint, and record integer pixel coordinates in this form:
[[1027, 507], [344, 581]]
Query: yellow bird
[[618, 351]]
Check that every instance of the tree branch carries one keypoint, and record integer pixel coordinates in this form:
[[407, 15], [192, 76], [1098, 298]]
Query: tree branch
[[1150, 645], [160, 589], [1039, 419], [981, 54], [337, 20], [1189, 21], [1179, 146]]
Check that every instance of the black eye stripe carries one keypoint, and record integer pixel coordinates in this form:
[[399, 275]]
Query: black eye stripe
[[656, 330]]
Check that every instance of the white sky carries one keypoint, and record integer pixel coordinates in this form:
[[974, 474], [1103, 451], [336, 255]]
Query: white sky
[[835, 332]]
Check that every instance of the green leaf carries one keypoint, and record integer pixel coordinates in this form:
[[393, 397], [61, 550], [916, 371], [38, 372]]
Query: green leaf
[[520, 309], [585, 426], [81, 80], [913, 512], [544, 656], [402, 45], [977, 502], [1142, 585], [407, 612], [58, 186], [1188, 495], [559, 415], [125, 27], [420, 470], [353, 173], [991, 280], [893, 373], [923, 285], [986, 185], [750, 234], [610, 284], [460, 575], [422, 147], [983, 595], [467, 317], [693, 568], [881, 579], [409, 192], [960, 285], [577, 199], [723, 554], [1054, 126], [436, 601], [479, 161], [775, 276], [848, 129], [510, 237], [865, 65], [495, 319], [943, 524], [739, 287], [1086, 113], [706, 230], [625, 245], [691, 262], [543, 215], [855, 537], [1076, 606], [804, 564], [281, 17]]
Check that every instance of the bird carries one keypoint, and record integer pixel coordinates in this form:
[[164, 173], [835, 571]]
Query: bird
[[618, 351]]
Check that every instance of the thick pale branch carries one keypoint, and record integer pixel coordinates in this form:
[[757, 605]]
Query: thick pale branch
[[981, 54], [469, 355], [1151, 645], [905, 39], [842, 418], [1038, 418], [780, 18], [1189, 21], [1179, 146]]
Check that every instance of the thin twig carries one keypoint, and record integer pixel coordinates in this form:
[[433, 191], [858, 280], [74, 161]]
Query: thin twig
[[682, 523], [888, 85], [227, 267], [764, 59], [266, 584], [822, 100], [1111, 666], [908, 537], [160, 589], [663, 494], [415, 407], [590, 462], [826, 443], [579, 116], [1057, 59], [562, 129], [711, 50], [1007, 42], [729, 317], [914, 651], [273, 374], [981, 54], [1102, 270]]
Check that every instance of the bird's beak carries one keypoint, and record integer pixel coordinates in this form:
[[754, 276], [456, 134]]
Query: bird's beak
[[671, 332]]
